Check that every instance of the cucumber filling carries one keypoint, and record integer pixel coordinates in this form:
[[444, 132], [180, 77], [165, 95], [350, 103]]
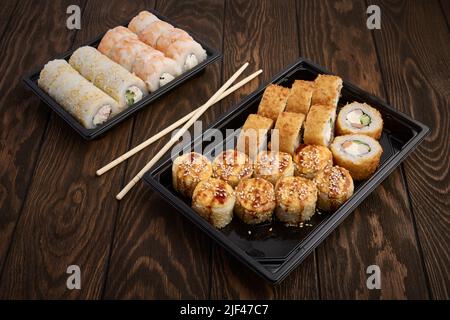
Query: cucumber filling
[[356, 147], [132, 95], [358, 119]]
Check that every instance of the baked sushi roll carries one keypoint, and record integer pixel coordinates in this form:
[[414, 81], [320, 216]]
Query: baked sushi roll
[[273, 101], [358, 153], [299, 98], [296, 200], [327, 90], [188, 170], [142, 21], [359, 118], [232, 166], [112, 37], [319, 125], [87, 103], [255, 200], [334, 187], [253, 135], [214, 200], [288, 129], [272, 165], [309, 160]]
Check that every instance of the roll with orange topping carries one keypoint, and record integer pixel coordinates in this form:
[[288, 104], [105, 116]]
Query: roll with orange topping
[[309, 160], [271, 165], [334, 186]]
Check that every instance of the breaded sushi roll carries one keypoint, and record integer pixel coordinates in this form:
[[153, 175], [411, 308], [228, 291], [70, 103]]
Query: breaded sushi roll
[[273, 101], [327, 90], [232, 166], [87, 103], [288, 128], [334, 187], [214, 200], [112, 37], [151, 33], [358, 153], [296, 200], [188, 170], [309, 160], [299, 98], [359, 118], [141, 21], [255, 200], [271, 166], [319, 125], [253, 135]]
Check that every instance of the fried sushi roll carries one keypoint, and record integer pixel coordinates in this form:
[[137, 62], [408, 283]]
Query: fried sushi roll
[[296, 200], [188, 170], [309, 160], [288, 128], [253, 135], [358, 153], [87, 103], [299, 98], [359, 118], [319, 125], [334, 186], [271, 166], [112, 37], [214, 200], [273, 101], [255, 200], [327, 90], [142, 21], [232, 166]]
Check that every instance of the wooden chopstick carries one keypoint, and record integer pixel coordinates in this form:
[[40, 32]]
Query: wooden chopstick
[[170, 128], [180, 132]]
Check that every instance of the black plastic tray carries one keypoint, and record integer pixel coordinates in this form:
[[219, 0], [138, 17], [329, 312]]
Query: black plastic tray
[[89, 134], [274, 250]]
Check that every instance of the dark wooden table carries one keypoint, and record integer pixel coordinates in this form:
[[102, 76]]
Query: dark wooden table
[[54, 212]]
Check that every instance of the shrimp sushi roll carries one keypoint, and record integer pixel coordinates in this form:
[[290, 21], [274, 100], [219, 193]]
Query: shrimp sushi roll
[[309, 160], [273, 101], [299, 99], [232, 166], [288, 128], [113, 37], [319, 125], [214, 200], [188, 170], [358, 153], [255, 200], [142, 21], [296, 200], [327, 90], [334, 186], [359, 118], [126, 52], [153, 31], [271, 166], [253, 135], [186, 52]]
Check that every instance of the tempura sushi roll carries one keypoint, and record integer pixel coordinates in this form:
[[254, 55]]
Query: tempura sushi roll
[[87, 103], [288, 131], [112, 37], [358, 153], [309, 160], [327, 90], [296, 200], [255, 200], [153, 31], [253, 135], [299, 98], [186, 52], [188, 170], [359, 118], [141, 21], [273, 101], [334, 186], [319, 125], [271, 166], [232, 166]]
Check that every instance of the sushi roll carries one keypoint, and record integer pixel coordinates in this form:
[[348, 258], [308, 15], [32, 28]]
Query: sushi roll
[[141, 21], [358, 153], [87, 103], [334, 186], [232, 166], [109, 76], [188, 170], [319, 125], [253, 135], [153, 31], [112, 37], [288, 128], [273, 101], [359, 118], [255, 200], [126, 51], [299, 98], [214, 200], [271, 166], [186, 52], [309, 160], [327, 90], [296, 200]]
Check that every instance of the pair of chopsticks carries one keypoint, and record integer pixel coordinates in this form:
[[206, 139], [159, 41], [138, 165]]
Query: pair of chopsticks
[[188, 120]]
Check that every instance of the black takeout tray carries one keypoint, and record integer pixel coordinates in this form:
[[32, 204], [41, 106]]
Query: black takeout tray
[[89, 134], [272, 249]]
